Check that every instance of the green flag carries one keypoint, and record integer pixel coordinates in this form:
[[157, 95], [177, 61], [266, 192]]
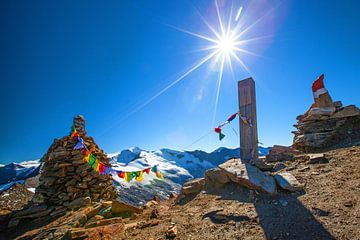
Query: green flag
[[221, 136], [92, 160]]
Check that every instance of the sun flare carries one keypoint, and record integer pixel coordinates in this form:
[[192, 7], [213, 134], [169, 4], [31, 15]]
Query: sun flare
[[226, 45]]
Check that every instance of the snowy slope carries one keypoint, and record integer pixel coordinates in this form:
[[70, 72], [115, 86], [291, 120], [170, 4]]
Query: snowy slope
[[177, 167]]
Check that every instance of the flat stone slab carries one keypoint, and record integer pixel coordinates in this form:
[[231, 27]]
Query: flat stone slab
[[317, 158], [249, 176], [288, 182]]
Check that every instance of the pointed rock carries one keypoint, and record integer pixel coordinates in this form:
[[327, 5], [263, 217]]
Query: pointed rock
[[248, 176]]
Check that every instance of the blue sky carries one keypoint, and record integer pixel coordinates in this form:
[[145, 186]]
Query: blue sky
[[104, 59]]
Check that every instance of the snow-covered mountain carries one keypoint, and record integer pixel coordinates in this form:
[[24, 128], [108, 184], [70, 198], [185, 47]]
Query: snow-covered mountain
[[177, 167], [17, 173]]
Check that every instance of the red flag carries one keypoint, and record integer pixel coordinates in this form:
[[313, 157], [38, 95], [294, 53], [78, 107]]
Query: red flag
[[121, 174], [147, 170], [318, 86], [217, 130], [85, 151]]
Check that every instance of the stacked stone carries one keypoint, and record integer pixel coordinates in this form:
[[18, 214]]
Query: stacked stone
[[66, 179], [327, 130]]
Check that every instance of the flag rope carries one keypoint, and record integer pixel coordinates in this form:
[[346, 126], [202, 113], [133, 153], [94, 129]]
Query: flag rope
[[218, 129]]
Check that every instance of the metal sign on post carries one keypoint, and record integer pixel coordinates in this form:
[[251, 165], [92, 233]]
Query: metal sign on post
[[247, 108]]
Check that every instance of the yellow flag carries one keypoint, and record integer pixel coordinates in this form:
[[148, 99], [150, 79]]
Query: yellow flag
[[97, 166], [159, 175], [139, 177], [86, 158], [127, 176]]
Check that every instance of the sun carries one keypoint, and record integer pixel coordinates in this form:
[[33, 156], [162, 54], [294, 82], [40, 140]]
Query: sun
[[226, 45]]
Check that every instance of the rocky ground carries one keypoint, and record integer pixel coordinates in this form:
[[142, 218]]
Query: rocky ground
[[15, 198], [327, 208]]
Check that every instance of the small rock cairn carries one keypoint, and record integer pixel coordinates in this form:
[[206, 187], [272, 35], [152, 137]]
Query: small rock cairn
[[66, 180], [327, 130]]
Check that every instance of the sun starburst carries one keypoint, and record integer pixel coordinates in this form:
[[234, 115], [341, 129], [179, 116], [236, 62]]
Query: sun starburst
[[226, 44]]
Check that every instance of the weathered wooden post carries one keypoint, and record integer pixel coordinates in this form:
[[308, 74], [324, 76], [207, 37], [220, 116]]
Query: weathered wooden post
[[247, 108]]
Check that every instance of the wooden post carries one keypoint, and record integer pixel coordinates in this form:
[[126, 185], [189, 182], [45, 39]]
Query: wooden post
[[247, 108]]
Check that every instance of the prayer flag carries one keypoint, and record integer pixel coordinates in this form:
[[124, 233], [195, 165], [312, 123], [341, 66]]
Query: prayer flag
[[127, 176], [80, 144], [217, 130], [159, 175], [139, 176], [92, 160], [86, 158], [147, 170], [232, 117], [221, 136], [318, 86], [85, 151], [121, 174]]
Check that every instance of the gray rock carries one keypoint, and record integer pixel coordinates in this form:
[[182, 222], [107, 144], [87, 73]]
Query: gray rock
[[288, 182], [248, 176], [348, 111], [279, 166], [260, 164], [13, 222], [30, 210], [79, 202], [318, 158]]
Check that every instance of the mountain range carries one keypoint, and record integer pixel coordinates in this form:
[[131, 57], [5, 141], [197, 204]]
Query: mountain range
[[177, 167]]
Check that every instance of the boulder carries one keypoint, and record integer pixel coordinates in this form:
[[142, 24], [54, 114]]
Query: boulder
[[217, 175], [248, 176], [281, 154], [288, 182], [193, 186], [118, 207]]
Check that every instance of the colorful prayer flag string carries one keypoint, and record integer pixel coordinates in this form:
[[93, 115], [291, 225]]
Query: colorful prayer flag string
[[244, 119], [100, 168]]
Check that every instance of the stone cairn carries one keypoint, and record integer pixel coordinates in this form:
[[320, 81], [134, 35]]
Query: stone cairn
[[327, 125], [66, 180]]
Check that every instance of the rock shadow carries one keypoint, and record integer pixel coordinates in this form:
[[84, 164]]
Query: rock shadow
[[219, 218], [283, 216]]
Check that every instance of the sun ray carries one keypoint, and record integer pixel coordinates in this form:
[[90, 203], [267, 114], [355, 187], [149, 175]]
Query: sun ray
[[241, 62], [246, 51], [208, 24], [171, 84], [204, 49], [252, 39], [218, 88], [219, 18], [229, 21], [193, 34]]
